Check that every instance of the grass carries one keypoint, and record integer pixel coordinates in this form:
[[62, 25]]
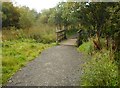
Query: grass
[[100, 71], [86, 47], [16, 53], [100, 68], [41, 33], [22, 45]]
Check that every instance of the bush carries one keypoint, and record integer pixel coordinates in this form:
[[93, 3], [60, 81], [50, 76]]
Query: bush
[[100, 71]]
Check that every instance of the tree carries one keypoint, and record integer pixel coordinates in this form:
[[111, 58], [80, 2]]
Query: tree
[[114, 27], [93, 17], [10, 15], [27, 17]]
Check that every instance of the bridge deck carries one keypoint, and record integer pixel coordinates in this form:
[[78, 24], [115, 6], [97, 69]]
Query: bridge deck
[[69, 42]]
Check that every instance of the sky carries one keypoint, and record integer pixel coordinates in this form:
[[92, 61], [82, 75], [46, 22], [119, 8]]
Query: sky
[[38, 5]]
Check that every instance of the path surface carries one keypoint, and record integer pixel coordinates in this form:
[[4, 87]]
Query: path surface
[[70, 41], [56, 66]]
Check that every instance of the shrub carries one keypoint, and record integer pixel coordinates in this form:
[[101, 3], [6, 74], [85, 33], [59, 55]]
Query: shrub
[[100, 71]]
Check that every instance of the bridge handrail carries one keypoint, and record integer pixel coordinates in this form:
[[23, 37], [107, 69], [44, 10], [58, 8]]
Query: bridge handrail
[[58, 31], [61, 35]]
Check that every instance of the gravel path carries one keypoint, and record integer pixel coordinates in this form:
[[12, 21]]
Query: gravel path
[[72, 40], [69, 42], [56, 66]]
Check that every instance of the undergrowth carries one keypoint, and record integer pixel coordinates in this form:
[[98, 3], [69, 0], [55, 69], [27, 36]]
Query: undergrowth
[[101, 69]]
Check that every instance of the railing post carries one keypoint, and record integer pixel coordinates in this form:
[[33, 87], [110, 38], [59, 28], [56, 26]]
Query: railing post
[[56, 35], [79, 41], [65, 34]]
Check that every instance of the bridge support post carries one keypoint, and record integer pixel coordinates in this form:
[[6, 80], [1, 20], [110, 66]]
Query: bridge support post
[[79, 41]]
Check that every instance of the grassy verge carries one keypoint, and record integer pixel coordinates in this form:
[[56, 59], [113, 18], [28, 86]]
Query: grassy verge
[[16, 53], [99, 70]]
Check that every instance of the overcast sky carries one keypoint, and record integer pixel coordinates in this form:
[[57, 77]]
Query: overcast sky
[[38, 5]]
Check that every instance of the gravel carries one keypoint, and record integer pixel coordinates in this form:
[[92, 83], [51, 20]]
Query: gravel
[[56, 66]]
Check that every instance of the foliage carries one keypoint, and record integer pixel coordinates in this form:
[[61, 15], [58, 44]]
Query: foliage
[[101, 19], [117, 57], [16, 53], [10, 15], [102, 68], [27, 17], [100, 71], [86, 47], [71, 32]]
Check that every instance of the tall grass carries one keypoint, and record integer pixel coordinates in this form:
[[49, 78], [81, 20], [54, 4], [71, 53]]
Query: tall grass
[[41, 33]]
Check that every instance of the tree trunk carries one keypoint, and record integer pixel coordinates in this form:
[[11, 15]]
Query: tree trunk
[[107, 41], [65, 28], [97, 41]]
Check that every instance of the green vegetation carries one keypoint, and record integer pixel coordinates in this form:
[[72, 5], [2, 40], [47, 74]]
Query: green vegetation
[[71, 32], [86, 47], [100, 21], [41, 33], [17, 53], [26, 31], [101, 68], [25, 35], [100, 71]]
